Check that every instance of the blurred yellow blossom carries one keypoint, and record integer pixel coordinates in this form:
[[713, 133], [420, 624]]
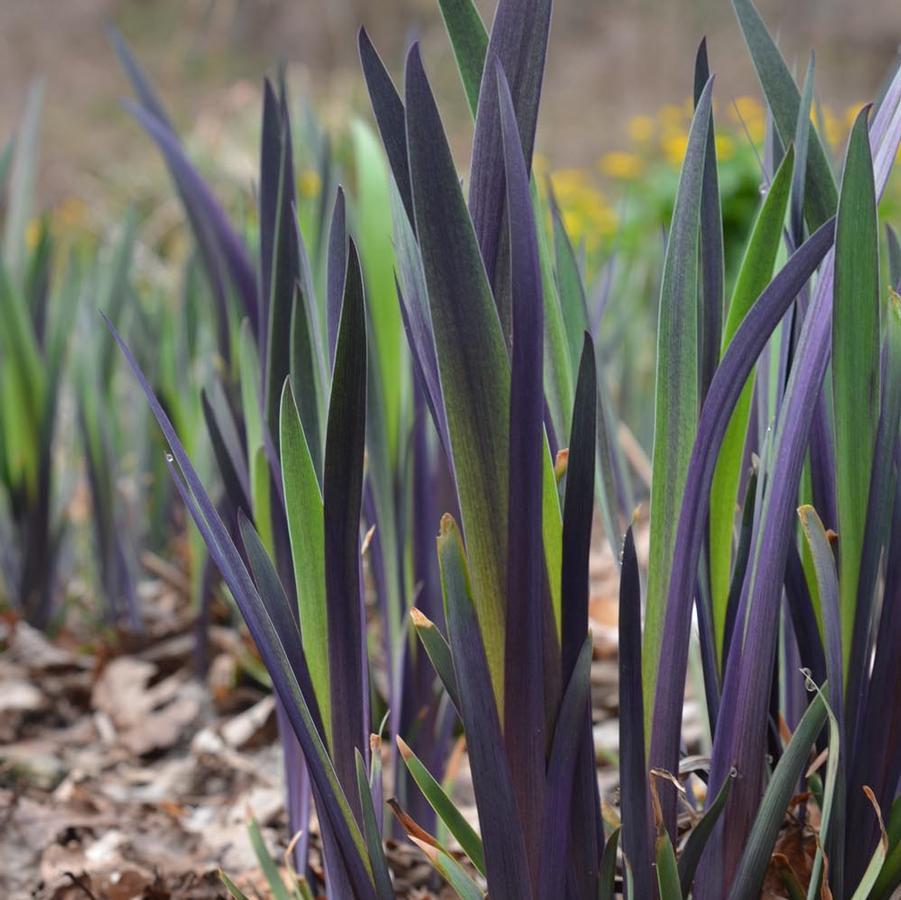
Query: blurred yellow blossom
[[641, 128], [617, 164], [832, 126], [725, 147], [32, 233], [674, 147], [672, 115], [309, 183]]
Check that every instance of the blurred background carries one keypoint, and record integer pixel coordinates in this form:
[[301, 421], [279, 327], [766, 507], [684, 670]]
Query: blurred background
[[610, 61]]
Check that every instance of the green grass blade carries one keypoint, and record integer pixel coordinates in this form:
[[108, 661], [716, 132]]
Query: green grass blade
[[607, 872], [855, 362], [267, 863], [754, 274], [235, 892], [700, 834], [676, 397], [558, 371], [439, 653], [20, 199], [371, 833], [472, 358], [667, 869], [877, 860], [452, 872], [469, 41], [784, 100], [763, 834], [465, 834], [373, 220], [306, 530]]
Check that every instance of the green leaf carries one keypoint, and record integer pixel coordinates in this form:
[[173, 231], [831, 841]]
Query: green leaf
[[306, 530], [456, 824], [20, 201], [855, 362], [785, 101], [232, 888], [469, 40], [558, 370], [439, 653], [771, 813], [452, 872], [667, 869], [373, 219], [753, 276], [371, 833], [871, 875], [267, 863], [571, 290], [607, 872], [676, 396], [472, 359], [700, 834]]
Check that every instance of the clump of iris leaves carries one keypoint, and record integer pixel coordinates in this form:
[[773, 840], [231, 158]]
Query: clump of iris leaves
[[381, 384]]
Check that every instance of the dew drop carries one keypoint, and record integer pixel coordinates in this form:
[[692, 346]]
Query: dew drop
[[170, 458]]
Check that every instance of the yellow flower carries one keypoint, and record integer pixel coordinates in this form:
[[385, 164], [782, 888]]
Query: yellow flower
[[674, 147], [569, 183], [32, 233], [641, 128], [309, 183], [671, 114], [621, 165], [725, 147], [832, 126], [540, 164], [574, 223]]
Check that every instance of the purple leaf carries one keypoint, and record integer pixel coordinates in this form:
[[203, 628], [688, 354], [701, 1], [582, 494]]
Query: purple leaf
[[518, 41], [342, 497], [502, 836], [224, 253], [633, 776], [524, 678], [727, 384], [710, 317], [561, 775], [389, 116], [336, 272]]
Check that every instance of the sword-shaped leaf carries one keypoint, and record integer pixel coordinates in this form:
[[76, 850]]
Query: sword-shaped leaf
[[469, 40], [676, 394], [467, 837], [754, 275], [472, 357], [525, 617], [855, 361], [505, 849], [762, 837], [821, 196], [518, 41], [304, 513], [342, 489]]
